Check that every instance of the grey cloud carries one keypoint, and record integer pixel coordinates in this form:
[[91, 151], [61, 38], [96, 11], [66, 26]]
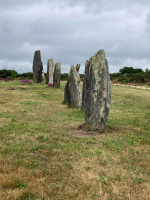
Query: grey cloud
[[72, 31]]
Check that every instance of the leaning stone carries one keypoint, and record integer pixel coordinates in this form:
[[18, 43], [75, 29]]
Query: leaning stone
[[37, 67], [57, 75], [50, 71], [78, 67], [72, 92], [84, 85], [96, 96]]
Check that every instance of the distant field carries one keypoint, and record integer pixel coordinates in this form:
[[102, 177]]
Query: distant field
[[45, 153]]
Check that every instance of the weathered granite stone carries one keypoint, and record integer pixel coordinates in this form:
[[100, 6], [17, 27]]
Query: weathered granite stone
[[50, 71], [96, 95], [57, 75], [72, 92], [78, 67], [37, 67]]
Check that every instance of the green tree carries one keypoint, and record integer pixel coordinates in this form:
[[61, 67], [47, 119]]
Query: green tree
[[130, 70]]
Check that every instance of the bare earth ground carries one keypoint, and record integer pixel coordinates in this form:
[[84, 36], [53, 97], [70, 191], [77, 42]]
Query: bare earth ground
[[47, 152]]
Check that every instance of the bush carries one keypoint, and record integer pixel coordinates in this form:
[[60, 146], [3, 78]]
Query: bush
[[64, 77], [8, 73], [81, 77], [129, 70], [27, 75], [12, 74]]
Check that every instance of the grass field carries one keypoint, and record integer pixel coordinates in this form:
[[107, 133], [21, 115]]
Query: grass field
[[46, 153]]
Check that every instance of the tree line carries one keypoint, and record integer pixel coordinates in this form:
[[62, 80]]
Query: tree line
[[12, 74], [125, 75], [131, 75]]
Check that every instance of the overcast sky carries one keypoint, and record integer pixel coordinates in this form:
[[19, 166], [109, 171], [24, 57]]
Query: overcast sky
[[71, 31]]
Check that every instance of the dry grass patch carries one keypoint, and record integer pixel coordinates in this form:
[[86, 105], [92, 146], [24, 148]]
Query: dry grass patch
[[46, 152]]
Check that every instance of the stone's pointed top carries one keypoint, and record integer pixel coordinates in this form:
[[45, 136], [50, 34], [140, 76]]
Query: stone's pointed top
[[37, 67], [58, 67], [37, 52], [78, 67], [72, 70], [58, 64], [37, 55], [101, 51], [72, 67], [98, 54], [50, 59]]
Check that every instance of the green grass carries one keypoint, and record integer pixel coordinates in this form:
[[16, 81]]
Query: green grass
[[47, 153]]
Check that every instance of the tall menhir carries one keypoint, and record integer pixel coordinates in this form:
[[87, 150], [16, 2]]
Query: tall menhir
[[96, 96], [37, 67], [50, 71]]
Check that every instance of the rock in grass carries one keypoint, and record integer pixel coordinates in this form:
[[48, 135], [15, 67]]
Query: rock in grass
[[78, 67], [43, 76], [72, 92], [96, 95], [50, 71], [57, 75], [37, 67]]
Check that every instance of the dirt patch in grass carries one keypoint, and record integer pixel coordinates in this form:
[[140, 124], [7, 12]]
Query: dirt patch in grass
[[83, 129]]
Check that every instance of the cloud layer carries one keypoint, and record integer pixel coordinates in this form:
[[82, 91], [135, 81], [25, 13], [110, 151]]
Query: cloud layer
[[71, 32]]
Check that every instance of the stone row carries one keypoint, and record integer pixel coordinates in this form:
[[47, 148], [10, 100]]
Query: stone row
[[96, 94], [53, 71]]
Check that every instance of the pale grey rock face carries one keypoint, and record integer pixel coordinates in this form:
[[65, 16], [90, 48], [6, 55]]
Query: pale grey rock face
[[96, 96], [43, 76], [57, 75], [72, 92], [37, 67], [78, 67], [50, 71]]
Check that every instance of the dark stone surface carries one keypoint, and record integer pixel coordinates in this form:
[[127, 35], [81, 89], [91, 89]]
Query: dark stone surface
[[96, 96], [85, 84], [57, 75], [67, 93], [37, 67]]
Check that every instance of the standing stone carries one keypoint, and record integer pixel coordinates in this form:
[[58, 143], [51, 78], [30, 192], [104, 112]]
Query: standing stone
[[57, 75], [50, 71], [84, 85], [43, 76], [78, 67], [96, 96], [72, 92], [37, 67]]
